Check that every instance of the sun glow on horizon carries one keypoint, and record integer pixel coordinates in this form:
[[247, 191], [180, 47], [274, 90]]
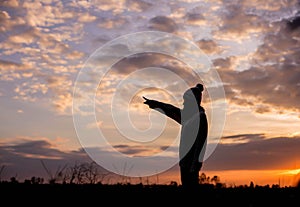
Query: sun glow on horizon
[[291, 172]]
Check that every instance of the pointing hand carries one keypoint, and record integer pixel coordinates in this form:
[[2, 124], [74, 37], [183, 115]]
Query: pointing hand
[[151, 103]]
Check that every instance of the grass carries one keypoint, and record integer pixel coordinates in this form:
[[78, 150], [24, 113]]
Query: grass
[[127, 194]]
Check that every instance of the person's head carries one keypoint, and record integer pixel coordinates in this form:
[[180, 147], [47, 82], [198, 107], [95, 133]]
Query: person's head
[[193, 96]]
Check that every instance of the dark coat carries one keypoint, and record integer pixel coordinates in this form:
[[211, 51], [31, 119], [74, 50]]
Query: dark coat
[[194, 133]]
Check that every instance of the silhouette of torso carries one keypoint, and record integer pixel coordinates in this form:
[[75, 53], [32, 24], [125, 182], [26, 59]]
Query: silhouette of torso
[[193, 132]]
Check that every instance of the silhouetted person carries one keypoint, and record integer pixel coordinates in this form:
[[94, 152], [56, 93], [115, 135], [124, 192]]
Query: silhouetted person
[[194, 132]]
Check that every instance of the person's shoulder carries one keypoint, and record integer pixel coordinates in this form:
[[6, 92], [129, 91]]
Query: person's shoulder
[[201, 109]]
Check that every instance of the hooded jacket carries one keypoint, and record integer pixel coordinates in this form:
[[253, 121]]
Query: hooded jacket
[[194, 131]]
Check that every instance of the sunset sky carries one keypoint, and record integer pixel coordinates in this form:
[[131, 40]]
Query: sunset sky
[[253, 45]]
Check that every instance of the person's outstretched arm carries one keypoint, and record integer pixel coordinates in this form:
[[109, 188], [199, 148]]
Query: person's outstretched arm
[[171, 111]]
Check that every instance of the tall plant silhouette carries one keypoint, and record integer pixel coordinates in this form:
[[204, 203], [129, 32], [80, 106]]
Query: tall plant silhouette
[[84, 173], [1, 171], [54, 177]]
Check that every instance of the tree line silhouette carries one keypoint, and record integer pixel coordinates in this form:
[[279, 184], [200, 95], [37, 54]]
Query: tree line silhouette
[[91, 173], [87, 182]]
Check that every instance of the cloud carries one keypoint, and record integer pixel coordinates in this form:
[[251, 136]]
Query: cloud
[[10, 3], [157, 76], [294, 23], [131, 150], [133, 75], [61, 88], [144, 60], [24, 158], [35, 149], [243, 27], [138, 5], [4, 15], [143, 150], [209, 46], [42, 34], [273, 78], [27, 37], [11, 65], [264, 86], [269, 6], [86, 17], [241, 138], [114, 6], [195, 19], [113, 23], [45, 45], [39, 38], [162, 23], [223, 63], [259, 153]]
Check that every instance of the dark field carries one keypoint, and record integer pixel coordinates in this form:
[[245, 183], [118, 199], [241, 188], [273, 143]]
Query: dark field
[[128, 195]]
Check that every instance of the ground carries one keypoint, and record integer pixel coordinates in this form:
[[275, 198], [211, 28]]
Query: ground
[[96, 194]]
